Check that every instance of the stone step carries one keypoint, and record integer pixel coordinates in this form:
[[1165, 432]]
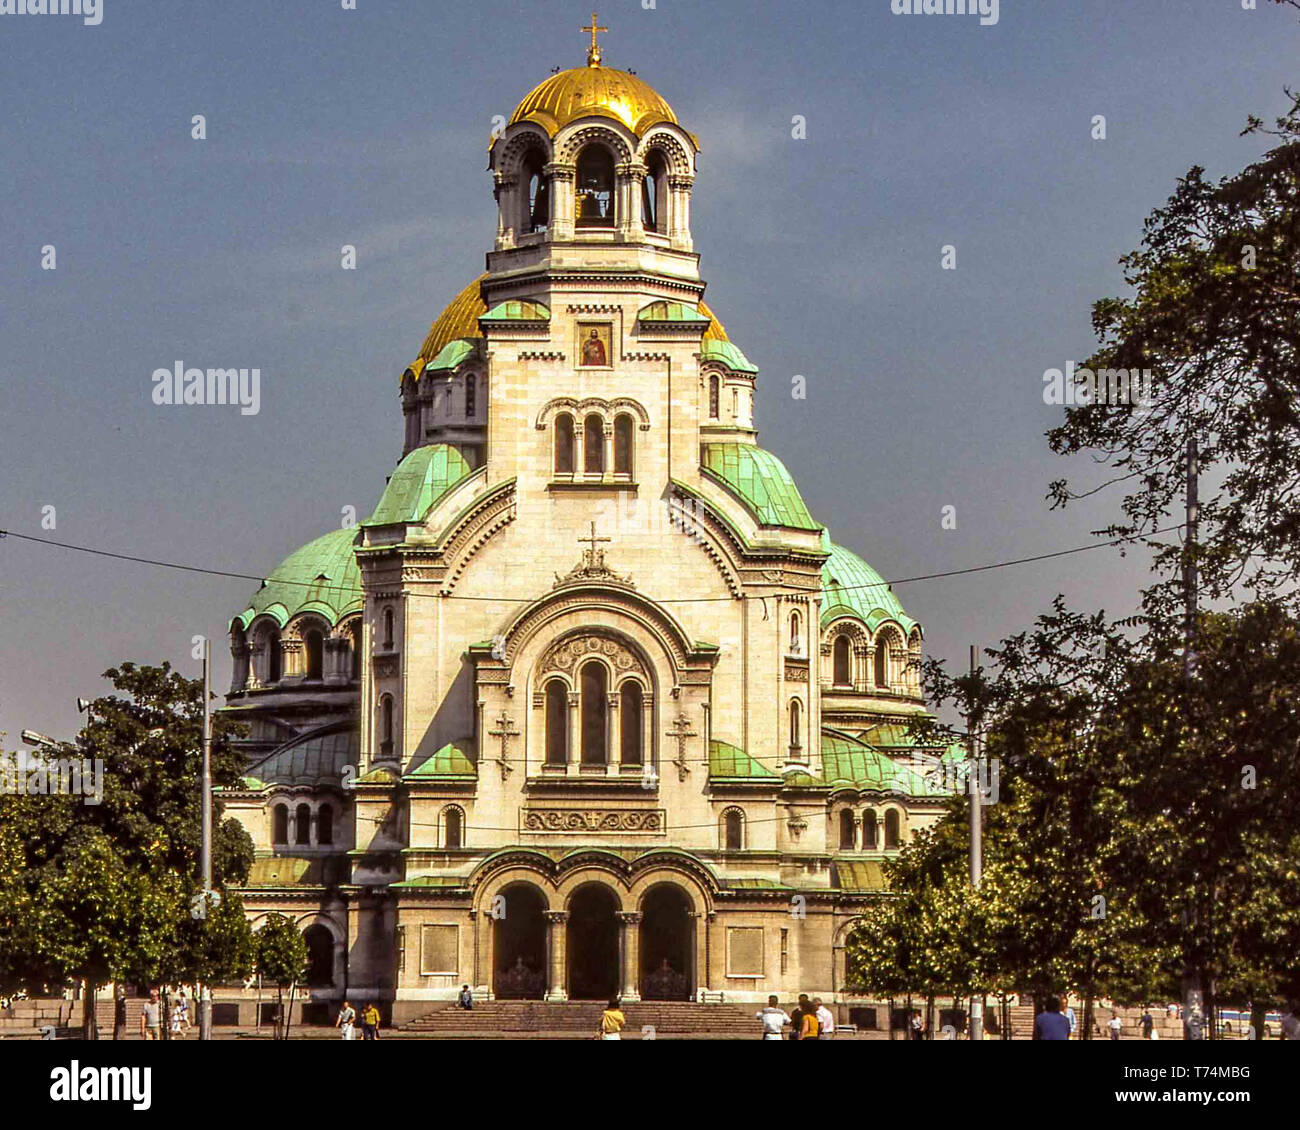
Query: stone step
[[573, 1016]]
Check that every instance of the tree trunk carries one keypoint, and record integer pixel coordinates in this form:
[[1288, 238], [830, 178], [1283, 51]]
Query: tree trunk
[[889, 1022], [929, 1016], [119, 1012], [1087, 1016], [1257, 1014], [288, 1019], [166, 1031], [89, 1021]]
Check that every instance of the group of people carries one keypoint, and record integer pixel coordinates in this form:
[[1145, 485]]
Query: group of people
[[347, 1021], [810, 1020]]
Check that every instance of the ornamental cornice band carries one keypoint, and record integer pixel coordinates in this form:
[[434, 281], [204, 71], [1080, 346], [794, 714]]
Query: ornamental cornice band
[[644, 821]]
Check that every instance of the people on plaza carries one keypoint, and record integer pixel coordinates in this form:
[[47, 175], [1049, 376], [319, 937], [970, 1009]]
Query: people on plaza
[[346, 1020], [151, 1017], [825, 1020], [611, 1021], [1050, 1024], [466, 999], [773, 1018], [370, 1021]]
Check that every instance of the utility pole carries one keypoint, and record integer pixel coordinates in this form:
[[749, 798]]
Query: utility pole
[[976, 826], [205, 850], [1193, 990]]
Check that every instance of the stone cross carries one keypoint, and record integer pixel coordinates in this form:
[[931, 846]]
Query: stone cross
[[680, 731], [505, 731]]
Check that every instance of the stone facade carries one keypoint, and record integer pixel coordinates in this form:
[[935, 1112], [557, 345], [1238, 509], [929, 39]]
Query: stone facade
[[593, 693]]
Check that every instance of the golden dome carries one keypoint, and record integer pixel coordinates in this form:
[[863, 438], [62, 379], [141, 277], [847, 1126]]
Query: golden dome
[[460, 320], [596, 91]]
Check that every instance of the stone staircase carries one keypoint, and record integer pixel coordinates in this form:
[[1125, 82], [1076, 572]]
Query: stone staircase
[[666, 1018]]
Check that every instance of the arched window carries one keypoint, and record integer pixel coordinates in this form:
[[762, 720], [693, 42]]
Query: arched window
[[537, 199], [714, 390], [795, 647], [320, 956], [564, 444], [325, 825], [386, 724], [892, 836], [388, 628], [882, 663], [471, 395], [796, 712], [272, 645], [623, 445], [593, 445], [557, 723], [280, 824], [594, 713], [315, 655], [453, 829], [869, 830], [842, 662], [848, 830], [302, 833], [595, 188], [629, 708], [654, 194], [733, 822]]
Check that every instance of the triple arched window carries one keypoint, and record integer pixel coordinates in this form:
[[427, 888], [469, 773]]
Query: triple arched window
[[592, 435], [595, 739]]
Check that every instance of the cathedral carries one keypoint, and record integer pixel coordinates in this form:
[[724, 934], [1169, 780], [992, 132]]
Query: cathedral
[[590, 704]]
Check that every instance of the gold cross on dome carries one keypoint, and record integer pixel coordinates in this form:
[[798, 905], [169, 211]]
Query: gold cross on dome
[[593, 52]]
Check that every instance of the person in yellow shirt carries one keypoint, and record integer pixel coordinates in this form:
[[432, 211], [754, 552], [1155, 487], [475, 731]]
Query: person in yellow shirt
[[370, 1021], [611, 1021]]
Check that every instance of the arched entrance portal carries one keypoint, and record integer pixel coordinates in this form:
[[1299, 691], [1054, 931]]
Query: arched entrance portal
[[667, 944], [519, 943], [593, 943]]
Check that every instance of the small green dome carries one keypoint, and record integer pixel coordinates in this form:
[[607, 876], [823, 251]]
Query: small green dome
[[321, 577], [851, 587], [423, 477]]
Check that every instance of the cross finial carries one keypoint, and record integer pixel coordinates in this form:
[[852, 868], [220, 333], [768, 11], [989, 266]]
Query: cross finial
[[593, 52], [594, 557]]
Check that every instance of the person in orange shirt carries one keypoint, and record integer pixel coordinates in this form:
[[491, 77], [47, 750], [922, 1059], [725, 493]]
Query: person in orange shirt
[[611, 1021]]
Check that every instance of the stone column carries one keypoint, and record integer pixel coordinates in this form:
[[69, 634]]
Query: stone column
[[562, 177], [572, 735], [615, 715], [629, 950], [556, 939]]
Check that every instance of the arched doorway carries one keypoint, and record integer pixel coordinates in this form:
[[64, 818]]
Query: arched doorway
[[667, 944], [593, 943], [519, 943], [320, 956]]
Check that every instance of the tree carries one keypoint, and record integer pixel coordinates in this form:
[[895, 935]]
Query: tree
[[281, 959]]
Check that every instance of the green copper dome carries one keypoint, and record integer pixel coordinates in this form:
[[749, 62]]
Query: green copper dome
[[423, 477], [320, 577], [851, 587], [759, 479]]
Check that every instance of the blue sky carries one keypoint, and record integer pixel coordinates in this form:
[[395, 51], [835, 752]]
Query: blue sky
[[369, 127]]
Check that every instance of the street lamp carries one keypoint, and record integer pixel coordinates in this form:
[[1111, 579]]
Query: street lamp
[[34, 737]]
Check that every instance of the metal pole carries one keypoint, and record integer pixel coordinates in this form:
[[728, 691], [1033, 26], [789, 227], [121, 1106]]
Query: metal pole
[[1193, 990], [976, 829], [205, 851]]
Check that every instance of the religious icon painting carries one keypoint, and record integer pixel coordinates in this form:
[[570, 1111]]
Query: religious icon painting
[[595, 345]]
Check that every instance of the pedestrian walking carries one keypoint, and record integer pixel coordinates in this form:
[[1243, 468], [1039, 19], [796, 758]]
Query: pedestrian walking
[[346, 1020], [1147, 1023], [611, 1021], [825, 1020], [1115, 1025], [1068, 1013], [773, 1018], [370, 1021], [916, 1027], [1050, 1024], [151, 1017]]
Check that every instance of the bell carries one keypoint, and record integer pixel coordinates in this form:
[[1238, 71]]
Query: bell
[[590, 207]]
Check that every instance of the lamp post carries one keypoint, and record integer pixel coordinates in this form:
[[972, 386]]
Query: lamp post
[[205, 850]]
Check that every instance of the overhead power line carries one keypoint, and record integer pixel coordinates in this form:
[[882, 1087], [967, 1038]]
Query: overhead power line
[[262, 580]]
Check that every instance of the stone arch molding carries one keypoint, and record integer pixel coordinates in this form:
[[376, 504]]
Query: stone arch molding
[[569, 145], [674, 152], [569, 652], [608, 409], [525, 136]]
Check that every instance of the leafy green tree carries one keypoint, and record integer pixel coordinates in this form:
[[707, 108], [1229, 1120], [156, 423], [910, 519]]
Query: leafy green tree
[[282, 960]]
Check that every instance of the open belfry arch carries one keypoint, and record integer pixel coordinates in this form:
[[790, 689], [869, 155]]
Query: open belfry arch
[[589, 703]]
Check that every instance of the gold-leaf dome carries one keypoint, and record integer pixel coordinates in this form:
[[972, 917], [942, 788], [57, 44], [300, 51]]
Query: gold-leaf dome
[[596, 91], [460, 320]]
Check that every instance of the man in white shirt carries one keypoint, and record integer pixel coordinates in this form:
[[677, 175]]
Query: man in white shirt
[[1068, 1013], [1115, 1025], [773, 1018], [825, 1020]]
